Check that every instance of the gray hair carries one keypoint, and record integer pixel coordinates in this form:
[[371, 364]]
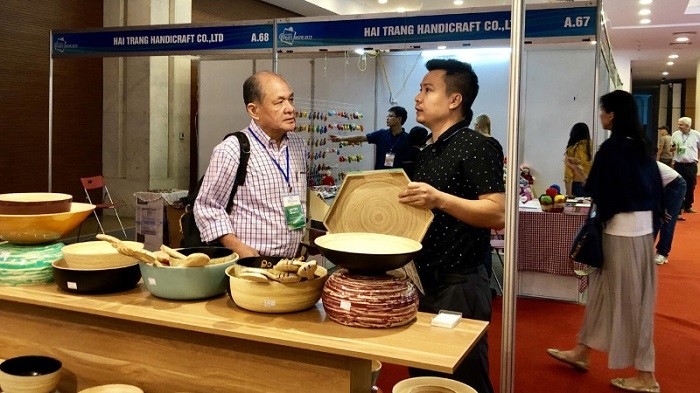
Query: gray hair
[[686, 120]]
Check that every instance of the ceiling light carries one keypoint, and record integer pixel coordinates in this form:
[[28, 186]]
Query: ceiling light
[[381, 1], [442, 47], [682, 38], [670, 63], [458, 2], [664, 73], [644, 11], [673, 56], [593, 42], [645, 2], [645, 21]]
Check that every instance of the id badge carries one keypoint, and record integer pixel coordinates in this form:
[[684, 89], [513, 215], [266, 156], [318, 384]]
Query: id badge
[[293, 211], [681, 150], [389, 159]]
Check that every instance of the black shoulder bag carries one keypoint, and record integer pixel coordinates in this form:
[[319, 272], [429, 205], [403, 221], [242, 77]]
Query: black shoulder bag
[[191, 236], [587, 247]]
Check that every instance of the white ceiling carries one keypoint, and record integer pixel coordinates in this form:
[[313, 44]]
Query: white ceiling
[[646, 46]]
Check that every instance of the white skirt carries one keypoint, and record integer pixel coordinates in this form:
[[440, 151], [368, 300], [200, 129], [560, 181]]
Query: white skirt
[[619, 316]]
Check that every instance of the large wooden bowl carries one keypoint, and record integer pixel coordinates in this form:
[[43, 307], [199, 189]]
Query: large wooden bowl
[[35, 203], [275, 297], [367, 253], [42, 228], [97, 255], [30, 374]]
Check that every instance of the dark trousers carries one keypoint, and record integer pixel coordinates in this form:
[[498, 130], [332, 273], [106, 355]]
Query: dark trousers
[[471, 297], [689, 171], [673, 198]]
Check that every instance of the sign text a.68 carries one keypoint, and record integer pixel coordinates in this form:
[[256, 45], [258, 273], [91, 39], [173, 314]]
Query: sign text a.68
[[260, 37]]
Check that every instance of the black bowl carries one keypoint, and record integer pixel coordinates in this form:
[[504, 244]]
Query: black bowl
[[28, 366], [258, 261], [95, 281], [367, 253], [211, 251]]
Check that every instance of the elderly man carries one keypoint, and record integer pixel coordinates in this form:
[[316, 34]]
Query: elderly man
[[267, 217], [460, 178], [685, 159]]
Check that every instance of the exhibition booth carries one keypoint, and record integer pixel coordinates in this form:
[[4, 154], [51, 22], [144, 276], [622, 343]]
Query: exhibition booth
[[346, 73]]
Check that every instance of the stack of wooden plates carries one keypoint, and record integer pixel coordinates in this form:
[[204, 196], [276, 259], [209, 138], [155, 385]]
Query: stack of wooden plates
[[382, 301]]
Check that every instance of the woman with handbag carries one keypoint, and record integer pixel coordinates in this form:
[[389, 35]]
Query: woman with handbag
[[626, 188]]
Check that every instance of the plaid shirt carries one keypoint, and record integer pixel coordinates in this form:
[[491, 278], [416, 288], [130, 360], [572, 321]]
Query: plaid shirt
[[257, 217]]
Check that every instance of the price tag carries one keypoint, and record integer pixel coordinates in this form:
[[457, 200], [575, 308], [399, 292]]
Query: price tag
[[152, 281], [269, 303], [72, 285], [345, 305]]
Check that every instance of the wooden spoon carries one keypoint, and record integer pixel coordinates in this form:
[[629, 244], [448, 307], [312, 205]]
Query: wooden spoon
[[125, 249], [193, 260], [283, 277]]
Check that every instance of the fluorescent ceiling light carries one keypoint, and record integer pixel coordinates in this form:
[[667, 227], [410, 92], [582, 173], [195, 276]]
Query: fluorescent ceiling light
[[458, 2], [664, 73], [442, 47], [645, 21], [670, 63], [644, 11], [381, 1], [682, 38], [673, 56], [645, 2]]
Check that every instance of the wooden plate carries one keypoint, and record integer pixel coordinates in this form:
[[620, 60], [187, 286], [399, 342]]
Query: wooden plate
[[368, 201]]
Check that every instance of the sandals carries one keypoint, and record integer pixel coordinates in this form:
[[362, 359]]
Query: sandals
[[580, 365], [624, 384]]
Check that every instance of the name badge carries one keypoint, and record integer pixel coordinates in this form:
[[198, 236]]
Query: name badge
[[293, 211], [389, 159]]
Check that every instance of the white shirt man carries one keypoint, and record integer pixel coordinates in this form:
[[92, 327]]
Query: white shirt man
[[685, 159]]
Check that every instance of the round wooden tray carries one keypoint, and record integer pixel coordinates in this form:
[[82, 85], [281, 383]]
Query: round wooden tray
[[368, 201]]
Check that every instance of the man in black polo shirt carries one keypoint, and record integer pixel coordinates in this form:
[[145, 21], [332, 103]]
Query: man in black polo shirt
[[460, 178]]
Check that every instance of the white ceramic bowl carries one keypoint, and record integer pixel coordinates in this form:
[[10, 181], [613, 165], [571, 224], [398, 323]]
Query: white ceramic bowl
[[97, 255], [275, 297], [30, 374], [431, 385]]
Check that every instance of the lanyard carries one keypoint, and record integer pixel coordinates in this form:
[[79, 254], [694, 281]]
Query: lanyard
[[285, 175], [391, 136]]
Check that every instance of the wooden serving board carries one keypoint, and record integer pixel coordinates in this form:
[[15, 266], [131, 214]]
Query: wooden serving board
[[368, 201]]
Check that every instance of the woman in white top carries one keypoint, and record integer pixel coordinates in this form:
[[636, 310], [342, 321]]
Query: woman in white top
[[625, 186]]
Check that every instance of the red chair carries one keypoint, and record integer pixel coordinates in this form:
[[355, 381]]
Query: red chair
[[96, 189]]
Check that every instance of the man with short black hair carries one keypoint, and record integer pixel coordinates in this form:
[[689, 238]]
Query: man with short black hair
[[460, 178]]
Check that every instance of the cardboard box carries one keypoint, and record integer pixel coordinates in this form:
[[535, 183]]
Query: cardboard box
[[157, 218]]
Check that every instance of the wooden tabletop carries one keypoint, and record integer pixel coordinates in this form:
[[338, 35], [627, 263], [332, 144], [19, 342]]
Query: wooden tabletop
[[415, 345]]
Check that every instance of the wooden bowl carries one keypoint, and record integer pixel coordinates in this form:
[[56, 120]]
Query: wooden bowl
[[94, 281], [30, 374], [367, 253], [42, 228], [275, 297], [113, 388], [97, 254], [23, 203]]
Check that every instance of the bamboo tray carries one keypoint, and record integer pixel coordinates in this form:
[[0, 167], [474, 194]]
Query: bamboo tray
[[368, 201]]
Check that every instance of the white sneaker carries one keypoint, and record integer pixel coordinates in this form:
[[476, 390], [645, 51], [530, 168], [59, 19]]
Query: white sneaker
[[660, 259]]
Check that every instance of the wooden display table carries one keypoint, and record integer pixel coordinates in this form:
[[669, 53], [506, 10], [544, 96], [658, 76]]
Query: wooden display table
[[212, 346]]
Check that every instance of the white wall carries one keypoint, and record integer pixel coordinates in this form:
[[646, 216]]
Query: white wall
[[557, 91]]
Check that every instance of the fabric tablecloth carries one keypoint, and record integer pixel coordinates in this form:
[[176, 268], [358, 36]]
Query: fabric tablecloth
[[544, 240]]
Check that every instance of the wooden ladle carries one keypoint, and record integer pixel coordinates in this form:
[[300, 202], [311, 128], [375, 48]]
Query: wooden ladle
[[124, 249], [193, 260]]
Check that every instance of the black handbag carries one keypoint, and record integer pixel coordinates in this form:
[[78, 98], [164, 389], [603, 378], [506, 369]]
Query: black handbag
[[587, 247]]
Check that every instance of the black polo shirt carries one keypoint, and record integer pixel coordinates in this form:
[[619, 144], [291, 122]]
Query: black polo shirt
[[464, 163]]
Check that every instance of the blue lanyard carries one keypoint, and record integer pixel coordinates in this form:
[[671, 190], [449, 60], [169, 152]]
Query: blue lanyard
[[286, 175]]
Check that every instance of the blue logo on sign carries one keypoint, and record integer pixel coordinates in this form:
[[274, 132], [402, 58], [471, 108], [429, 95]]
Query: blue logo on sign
[[287, 36]]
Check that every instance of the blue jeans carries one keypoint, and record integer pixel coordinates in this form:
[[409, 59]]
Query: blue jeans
[[674, 192]]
